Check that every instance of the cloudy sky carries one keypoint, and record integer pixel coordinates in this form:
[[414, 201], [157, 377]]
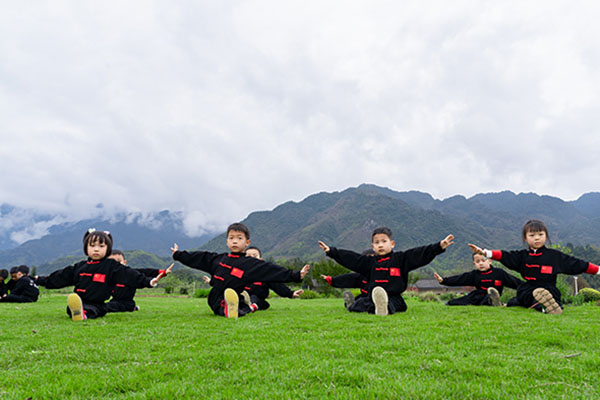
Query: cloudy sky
[[221, 108]]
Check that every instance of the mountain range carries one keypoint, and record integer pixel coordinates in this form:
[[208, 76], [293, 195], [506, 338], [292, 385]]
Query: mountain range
[[342, 219]]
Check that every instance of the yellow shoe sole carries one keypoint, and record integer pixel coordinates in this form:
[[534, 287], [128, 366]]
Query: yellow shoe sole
[[76, 306], [233, 301]]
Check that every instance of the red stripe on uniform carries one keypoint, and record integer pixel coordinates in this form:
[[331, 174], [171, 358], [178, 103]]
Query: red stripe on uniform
[[80, 290], [535, 254], [487, 273], [383, 259], [381, 269], [530, 278], [224, 265], [84, 274], [496, 254], [381, 281], [218, 277], [233, 256]]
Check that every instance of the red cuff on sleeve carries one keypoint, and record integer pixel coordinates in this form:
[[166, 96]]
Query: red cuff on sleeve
[[496, 254], [592, 269], [328, 279]]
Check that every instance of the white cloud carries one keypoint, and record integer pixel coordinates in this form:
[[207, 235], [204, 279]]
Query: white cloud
[[217, 110]]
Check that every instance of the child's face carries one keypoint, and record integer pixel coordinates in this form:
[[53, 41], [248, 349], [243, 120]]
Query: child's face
[[253, 253], [481, 263], [14, 276], [96, 250], [237, 241], [118, 258], [535, 240], [382, 244], [20, 275]]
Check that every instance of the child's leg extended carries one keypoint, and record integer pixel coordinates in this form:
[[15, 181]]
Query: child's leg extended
[[547, 300]]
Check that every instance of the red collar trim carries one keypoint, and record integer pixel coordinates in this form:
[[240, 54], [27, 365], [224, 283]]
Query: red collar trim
[[93, 262]]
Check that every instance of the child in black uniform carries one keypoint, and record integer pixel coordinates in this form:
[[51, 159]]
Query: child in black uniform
[[13, 279], [122, 295], [231, 272], [25, 289], [350, 280], [255, 294], [387, 272], [539, 266], [94, 278], [488, 282], [3, 288]]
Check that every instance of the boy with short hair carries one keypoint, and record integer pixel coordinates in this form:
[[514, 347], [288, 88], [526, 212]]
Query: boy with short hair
[[387, 272], [25, 289], [257, 292], [488, 282], [122, 295], [232, 271], [13, 279]]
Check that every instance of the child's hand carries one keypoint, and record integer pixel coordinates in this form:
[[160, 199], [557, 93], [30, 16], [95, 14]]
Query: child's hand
[[324, 247], [174, 248], [476, 250], [438, 277], [447, 241], [304, 271], [206, 279], [297, 293], [167, 271]]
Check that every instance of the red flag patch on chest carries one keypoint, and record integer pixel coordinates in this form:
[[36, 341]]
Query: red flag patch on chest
[[238, 273], [546, 269], [497, 283], [394, 271], [99, 278]]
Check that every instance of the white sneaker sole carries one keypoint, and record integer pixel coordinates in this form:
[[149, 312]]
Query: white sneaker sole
[[545, 298], [380, 298]]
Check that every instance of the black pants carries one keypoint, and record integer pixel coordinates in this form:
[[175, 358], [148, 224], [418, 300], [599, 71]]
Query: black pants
[[120, 306], [474, 298], [15, 298], [92, 310], [525, 296], [365, 304], [262, 304]]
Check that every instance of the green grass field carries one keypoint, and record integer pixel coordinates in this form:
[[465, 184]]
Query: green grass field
[[299, 349]]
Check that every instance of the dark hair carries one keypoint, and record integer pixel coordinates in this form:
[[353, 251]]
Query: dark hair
[[239, 227], [369, 252], [535, 225], [116, 252], [93, 235], [13, 270], [24, 269], [3, 274], [384, 230], [254, 248], [475, 254]]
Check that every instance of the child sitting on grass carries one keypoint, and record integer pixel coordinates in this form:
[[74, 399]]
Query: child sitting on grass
[[256, 293], [348, 281], [488, 282], [539, 266], [387, 272], [122, 295], [232, 271], [94, 278], [25, 289], [3, 288]]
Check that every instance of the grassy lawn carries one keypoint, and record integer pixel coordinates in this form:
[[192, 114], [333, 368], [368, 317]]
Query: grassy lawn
[[176, 348]]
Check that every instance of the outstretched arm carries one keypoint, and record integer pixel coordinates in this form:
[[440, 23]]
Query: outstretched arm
[[438, 277], [297, 293], [304, 271]]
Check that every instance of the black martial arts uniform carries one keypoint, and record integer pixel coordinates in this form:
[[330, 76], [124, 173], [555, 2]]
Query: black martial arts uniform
[[24, 291], [482, 281]]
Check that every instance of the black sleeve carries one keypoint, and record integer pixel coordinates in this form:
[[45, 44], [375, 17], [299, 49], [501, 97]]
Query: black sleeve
[[202, 260], [59, 279], [128, 276], [351, 260], [351, 280], [281, 289], [262, 271], [465, 279], [570, 265], [510, 259], [510, 280], [421, 256]]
